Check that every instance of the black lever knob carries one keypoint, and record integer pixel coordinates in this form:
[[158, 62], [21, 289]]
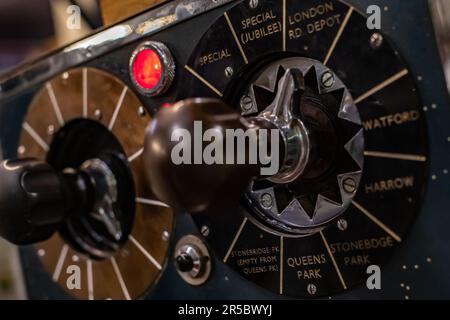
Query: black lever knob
[[196, 187], [184, 262], [199, 186], [31, 201]]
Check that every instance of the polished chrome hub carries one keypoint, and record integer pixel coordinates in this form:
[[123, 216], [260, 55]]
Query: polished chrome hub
[[294, 133], [323, 143]]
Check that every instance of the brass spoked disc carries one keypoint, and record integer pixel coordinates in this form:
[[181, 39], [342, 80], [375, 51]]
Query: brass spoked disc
[[92, 95]]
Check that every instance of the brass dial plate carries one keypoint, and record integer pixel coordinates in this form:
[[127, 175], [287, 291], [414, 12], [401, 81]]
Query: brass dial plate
[[87, 93]]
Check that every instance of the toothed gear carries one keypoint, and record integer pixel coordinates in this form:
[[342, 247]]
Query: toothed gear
[[330, 179]]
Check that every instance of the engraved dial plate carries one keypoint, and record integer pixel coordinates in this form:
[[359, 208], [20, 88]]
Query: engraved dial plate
[[246, 39], [94, 95]]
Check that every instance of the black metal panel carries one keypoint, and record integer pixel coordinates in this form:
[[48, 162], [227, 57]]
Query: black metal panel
[[407, 24]]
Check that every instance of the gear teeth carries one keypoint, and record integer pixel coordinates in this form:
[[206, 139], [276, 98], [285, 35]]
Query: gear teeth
[[348, 110], [280, 73], [311, 80], [315, 208], [326, 208], [262, 97], [356, 143], [295, 214]]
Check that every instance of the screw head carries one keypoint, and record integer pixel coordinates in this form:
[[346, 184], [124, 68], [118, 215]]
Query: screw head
[[229, 71], [165, 236], [246, 103], [205, 231], [376, 40], [98, 114], [327, 80], [349, 185], [266, 201], [342, 224], [253, 4], [141, 111], [50, 130], [312, 289], [21, 150]]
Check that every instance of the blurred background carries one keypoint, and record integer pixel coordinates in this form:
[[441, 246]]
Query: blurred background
[[30, 28]]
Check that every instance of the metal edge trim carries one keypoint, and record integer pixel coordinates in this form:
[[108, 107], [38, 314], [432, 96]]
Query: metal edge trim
[[93, 46]]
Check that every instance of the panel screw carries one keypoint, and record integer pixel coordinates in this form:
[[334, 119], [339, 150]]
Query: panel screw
[[205, 231], [98, 114], [342, 224], [327, 79], [21, 150], [246, 103], [349, 185], [376, 40], [253, 3], [141, 111], [266, 201], [229, 72], [165, 235], [50, 130], [312, 289]]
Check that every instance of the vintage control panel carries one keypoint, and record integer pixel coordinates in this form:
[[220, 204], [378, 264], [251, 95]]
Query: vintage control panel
[[369, 109]]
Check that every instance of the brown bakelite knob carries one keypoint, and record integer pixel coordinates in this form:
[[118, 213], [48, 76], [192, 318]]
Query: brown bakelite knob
[[194, 185]]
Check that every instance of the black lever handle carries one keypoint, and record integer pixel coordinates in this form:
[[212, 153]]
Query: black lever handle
[[35, 199], [32, 203], [197, 187]]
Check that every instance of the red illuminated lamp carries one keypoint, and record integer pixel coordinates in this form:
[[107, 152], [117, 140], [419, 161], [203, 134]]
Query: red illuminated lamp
[[147, 69], [152, 68]]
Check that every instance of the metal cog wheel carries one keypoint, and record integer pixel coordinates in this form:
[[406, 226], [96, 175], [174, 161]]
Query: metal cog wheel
[[331, 178]]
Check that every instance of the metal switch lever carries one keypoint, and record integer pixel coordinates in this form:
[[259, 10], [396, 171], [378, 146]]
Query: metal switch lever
[[200, 187], [197, 187], [32, 201]]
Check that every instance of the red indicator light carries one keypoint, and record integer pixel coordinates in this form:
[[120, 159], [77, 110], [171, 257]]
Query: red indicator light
[[147, 69], [152, 68]]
